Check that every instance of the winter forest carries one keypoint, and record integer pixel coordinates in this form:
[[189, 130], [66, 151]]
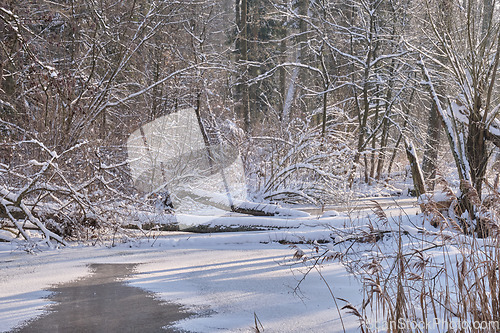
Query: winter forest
[[124, 122]]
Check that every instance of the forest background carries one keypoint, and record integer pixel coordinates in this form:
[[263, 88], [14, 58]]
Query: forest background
[[321, 98]]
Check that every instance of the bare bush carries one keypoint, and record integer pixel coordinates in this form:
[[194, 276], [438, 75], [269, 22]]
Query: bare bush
[[44, 199]]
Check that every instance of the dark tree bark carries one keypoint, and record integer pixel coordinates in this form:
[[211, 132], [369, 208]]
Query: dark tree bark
[[477, 154], [429, 163]]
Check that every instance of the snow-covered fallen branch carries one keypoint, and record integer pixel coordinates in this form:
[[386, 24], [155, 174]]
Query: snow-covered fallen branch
[[221, 201]]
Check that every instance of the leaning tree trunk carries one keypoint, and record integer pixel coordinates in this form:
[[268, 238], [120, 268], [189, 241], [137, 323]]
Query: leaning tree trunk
[[416, 171], [454, 140]]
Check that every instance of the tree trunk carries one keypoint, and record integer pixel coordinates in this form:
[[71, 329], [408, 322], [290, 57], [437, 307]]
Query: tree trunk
[[429, 164], [243, 109], [282, 73], [476, 150], [416, 171]]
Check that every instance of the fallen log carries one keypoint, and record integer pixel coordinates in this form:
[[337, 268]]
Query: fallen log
[[225, 202]]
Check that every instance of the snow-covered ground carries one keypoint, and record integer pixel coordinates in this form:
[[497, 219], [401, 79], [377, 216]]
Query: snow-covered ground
[[229, 279], [226, 278]]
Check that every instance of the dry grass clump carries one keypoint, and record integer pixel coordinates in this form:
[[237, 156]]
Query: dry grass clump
[[433, 281], [449, 283]]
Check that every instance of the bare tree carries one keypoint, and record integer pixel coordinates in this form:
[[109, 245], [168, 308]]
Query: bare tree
[[472, 52]]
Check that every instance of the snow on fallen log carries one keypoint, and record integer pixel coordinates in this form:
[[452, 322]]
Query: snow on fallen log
[[237, 222], [223, 201]]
